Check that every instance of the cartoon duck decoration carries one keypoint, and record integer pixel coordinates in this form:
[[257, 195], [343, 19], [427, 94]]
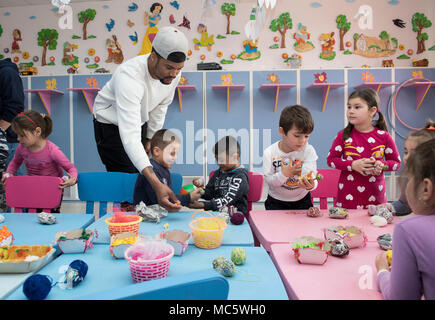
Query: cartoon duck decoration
[[206, 40]]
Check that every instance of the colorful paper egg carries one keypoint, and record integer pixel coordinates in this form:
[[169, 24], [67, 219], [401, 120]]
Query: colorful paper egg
[[217, 261], [237, 218], [385, 241], [226, 267], [314, 212], [338, 248]]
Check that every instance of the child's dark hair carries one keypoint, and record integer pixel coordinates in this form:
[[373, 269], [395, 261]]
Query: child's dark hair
[[297, 116], [425, 134], [227, 144], [30, 120], [163, 138], [421, 162], [371, 97]]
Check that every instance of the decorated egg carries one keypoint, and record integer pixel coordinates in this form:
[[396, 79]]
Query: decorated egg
[[338, 248], [217, 261], [226, 267], [313, 212], [385, 213], [385, 241]]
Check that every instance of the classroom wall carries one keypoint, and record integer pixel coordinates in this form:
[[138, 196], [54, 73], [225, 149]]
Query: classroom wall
[[203, 117]]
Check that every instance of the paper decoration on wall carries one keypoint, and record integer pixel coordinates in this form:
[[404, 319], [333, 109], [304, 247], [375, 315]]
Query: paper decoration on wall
[[15, 48], [68, 57], [420, 63], [373, 47], [251, 51], [273, 78], [92, 82], [343, 26], [133, 38], [206, 40], [132, 7], [315, 5], [294, 61], [328, 43], [26, 55], [130, 23], [85, 17], [185, 23], [91, 52], [114, 51], [403, 56], [302, 36], [417, 74], [207, 8], [365, 14], [367, 76], [399, 23], [51, 84], [226, 79], [151, 20], [1, 30], [282, 24], [183, 81], [110, 25], [175, 4], [47, 39], [320, 77], [387, 63], [228, 9], [256, 23], [267, 3], [171, 19], [16, 59], [420, 22], [432, 48]]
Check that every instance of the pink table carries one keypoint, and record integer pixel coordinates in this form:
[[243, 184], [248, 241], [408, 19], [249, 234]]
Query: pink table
[[350, 277]]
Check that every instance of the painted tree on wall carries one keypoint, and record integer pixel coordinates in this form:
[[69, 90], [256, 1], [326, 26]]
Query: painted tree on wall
[[1, 30], [282, 24], [85, 17], [355, 39], [47, 38], [343, 25], [228, 9], [419, 22], [386, 37]]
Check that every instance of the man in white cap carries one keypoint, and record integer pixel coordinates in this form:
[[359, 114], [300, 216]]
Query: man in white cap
[[132, 106]]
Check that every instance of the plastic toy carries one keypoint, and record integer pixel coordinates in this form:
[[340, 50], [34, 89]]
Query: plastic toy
[[420, 22], [309, 176]]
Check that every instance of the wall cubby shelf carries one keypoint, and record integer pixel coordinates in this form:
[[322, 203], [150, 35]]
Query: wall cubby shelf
[[422, 88], [228, 88], [376, 85], [325, 87], [277, 86], [180, 89], [45, 95], [89, 94]]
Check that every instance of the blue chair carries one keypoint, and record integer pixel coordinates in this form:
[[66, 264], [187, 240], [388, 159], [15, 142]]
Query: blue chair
[[201, 285], [105, 187], [177, 182]]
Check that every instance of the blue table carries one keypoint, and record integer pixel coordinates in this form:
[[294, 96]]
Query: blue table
[[234, 235], [257, 279], [27, 230]]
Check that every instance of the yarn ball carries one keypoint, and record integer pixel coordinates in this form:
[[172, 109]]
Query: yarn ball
[[37, 287], [226, 268], [238, 256], [217, 261], [385, 241], [82, 269], [313, 212], [237, 218], [338, 248]]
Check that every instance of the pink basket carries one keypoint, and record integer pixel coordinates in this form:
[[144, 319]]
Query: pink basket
[[149, 269]]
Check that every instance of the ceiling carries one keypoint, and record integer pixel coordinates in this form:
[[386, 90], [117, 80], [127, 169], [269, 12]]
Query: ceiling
[[25, 3]]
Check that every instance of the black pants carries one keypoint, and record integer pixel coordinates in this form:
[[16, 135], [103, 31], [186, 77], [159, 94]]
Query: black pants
[[275, 204], [110, 148]]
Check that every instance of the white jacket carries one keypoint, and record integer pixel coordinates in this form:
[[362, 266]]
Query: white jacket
[[281, 187], [130, 99]]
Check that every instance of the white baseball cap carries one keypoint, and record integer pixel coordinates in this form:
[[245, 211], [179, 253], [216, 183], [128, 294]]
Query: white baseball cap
[[170, 40]]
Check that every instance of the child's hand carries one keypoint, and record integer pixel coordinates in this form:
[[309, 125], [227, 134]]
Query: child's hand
[[378, 168], [6, 175], [195, 194], [363, 165], [305, 183], [196, 205], [382, 262], [290, 169], [70, 182]]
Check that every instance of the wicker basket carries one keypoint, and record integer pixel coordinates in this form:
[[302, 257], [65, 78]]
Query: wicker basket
[[149, 269], [207, 238], [116, 228]]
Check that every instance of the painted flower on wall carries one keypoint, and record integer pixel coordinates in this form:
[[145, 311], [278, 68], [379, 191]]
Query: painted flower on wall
[[92, 82], [183, 81], [51, 84], [320, 77], [367, 76], [226, 79], [273, 78], [417, 74]]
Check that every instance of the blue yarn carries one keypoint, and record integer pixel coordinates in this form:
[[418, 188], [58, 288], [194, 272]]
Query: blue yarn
[[82, 269], [37, 287]]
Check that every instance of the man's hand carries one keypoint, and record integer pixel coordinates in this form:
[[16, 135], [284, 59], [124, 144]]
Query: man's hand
[[196, 205]]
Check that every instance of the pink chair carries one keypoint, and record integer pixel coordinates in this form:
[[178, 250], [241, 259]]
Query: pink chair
[[33, 192], [327, 187]]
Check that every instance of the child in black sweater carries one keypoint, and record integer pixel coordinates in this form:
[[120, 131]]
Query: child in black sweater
[[164, 148]]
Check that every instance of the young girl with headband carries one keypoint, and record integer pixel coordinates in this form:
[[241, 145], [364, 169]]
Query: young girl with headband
[[41, 156]]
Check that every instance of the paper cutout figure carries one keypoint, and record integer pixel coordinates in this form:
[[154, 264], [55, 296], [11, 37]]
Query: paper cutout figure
[[367, 76], [343, 26], [130, 23], [68, 57], [51, 84], [273, 78], [328, 52], [110, 25], [251, 51], [302, 36], [133, 7], [92, 82], [185, 23], [366, 20], [294, 61], [373, 47], [282, 24], [228, 9], [320, 77], [420, 22], [399, 23], [206, 40], [133, 38], [114, 51], [85, 17], [152, 21], [47, 38], [175, 4], [15, 48], [226, 79]]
